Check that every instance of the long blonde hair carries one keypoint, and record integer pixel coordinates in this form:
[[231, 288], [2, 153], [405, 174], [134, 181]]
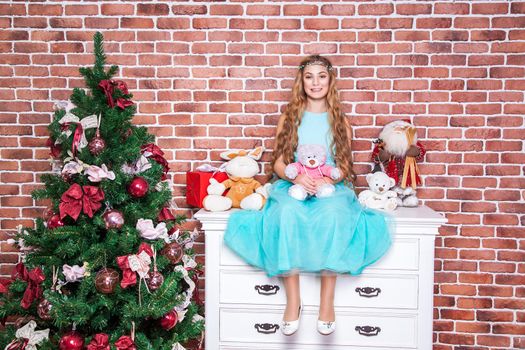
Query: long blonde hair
[[287, 140]]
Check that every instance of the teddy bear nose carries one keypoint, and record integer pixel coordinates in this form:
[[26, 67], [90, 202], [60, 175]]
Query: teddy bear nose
[[381, 189], [312, 162]]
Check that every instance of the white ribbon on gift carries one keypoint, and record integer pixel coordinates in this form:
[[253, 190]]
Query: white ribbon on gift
[[89, 122], [208, 168], [149, 231], [34, 337], [74, 167]]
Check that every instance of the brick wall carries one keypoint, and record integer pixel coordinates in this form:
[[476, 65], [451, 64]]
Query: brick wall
[[211, 76]]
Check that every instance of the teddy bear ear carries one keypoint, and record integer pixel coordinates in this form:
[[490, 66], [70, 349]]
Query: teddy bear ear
[[229, 155], [392, 182], [256, 153]]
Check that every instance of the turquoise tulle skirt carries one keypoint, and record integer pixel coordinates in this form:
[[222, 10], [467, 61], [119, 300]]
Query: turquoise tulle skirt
[[334, 233]]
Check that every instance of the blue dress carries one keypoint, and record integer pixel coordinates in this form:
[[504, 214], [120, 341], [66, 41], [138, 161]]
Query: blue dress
[[333, 233]]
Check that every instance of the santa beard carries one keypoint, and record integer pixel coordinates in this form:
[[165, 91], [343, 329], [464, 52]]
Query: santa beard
[[395, 141]]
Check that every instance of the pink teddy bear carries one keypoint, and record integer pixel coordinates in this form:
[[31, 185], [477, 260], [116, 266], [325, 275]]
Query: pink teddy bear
[[311, 162]]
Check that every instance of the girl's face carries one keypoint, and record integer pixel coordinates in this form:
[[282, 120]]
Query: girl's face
[[316, 81]]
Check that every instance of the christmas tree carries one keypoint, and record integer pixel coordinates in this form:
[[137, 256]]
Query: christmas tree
[[108, 265]]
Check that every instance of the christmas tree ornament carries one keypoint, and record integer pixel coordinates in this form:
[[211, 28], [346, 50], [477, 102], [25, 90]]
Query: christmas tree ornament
[[154, 279], [27, 337], [106, 280], [149, 231], [135, 263], [47, 213], [97, 144], [113, 219], [73, 273], [169, 320], [97, 174], [173, 252], [43, 309], [54, 222], [138, 187], [80, 199], [71, 341], [99, 341]]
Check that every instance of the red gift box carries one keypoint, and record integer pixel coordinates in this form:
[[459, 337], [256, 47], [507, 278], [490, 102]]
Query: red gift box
[[197, 183]]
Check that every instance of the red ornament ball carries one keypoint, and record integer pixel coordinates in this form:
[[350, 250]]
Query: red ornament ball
[[54, 222], [169, 320], [97, 144], [113, 219], [71, 341], [106, 281], [138, 187], [43, 309], [154, 280], [173, 251]]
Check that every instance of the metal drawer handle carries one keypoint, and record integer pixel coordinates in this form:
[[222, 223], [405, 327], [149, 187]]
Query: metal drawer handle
[[266, 328], [368, 292], [267, 289], [368, 331]]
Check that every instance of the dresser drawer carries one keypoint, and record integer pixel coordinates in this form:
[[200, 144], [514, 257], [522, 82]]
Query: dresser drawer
[[403, 255], [368, 291], [353, 329]]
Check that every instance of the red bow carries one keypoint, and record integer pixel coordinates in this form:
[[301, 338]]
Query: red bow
[[19, 344], [77, 136], [125, 343], [100, 341], [33, 278], [76, 199], [129, 278], [4, 284], [165, 215], [157, 155], [109, 86], [55, 149]]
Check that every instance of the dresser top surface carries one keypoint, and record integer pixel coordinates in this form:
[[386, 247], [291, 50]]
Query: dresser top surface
[[419, 215]]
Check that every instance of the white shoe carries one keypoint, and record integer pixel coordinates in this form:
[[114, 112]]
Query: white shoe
[[325, 327], [290, 327]]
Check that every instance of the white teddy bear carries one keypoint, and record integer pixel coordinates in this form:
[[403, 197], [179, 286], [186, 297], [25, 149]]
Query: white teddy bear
[[379, 196]]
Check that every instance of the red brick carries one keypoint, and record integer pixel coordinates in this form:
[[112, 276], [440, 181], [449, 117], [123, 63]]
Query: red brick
[[375, 9], [492, 340]]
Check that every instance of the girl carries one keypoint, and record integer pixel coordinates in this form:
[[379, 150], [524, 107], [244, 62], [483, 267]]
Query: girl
[[328, 235]]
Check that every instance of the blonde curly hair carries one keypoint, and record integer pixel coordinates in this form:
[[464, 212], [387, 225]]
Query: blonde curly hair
[[287, 140]]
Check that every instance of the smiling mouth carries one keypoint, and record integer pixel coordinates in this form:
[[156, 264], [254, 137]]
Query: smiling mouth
[[316, 90]]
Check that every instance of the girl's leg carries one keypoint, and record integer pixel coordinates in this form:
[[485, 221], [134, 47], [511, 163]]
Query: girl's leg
[[293, 297], [326, 308]]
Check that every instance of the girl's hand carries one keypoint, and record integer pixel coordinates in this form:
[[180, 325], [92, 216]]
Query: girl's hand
[[322, 181], [307, 182]]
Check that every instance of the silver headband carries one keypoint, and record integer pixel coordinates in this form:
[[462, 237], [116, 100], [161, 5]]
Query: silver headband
[[312, 63]]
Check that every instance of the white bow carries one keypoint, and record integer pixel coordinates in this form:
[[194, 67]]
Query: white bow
[[140, 165], [148, 231], [97, 174], [140, 263], [73, 273], [89, 122], [177, 346], [34, 337]]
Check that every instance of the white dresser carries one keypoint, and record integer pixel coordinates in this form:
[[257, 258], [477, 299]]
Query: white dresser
[[387, 307]]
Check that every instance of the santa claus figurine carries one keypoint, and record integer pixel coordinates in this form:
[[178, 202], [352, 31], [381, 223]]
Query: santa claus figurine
[[396, 153]]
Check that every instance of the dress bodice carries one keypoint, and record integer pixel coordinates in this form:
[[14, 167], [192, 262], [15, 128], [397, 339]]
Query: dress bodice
[[315, 129]]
